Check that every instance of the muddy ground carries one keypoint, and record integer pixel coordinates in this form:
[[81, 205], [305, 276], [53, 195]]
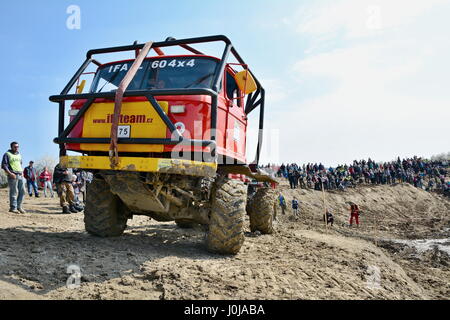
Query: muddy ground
[[303, 260]]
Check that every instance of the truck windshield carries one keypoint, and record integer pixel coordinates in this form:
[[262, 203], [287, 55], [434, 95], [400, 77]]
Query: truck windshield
[[161, 73]]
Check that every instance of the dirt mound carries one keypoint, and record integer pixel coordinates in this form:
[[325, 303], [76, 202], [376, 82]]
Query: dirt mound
[[401, 211], [302, 260], [10, 291]]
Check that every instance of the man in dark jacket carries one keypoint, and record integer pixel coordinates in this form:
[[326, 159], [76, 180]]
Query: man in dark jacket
[[30, 175], [329, 217], [295, 207]]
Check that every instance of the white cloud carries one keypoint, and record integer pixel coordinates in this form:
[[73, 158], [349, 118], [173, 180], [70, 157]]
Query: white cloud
[[365, 68], [360, 18], [277, 88]]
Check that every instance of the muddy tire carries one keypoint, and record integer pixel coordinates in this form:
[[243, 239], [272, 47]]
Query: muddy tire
[[185, 224], [104, 215], [226, 227], [262, 210]]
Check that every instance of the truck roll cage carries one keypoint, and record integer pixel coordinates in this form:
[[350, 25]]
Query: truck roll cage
[[254, 99]]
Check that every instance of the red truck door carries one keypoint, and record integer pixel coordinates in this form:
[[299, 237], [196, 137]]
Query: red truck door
[[235, 137]]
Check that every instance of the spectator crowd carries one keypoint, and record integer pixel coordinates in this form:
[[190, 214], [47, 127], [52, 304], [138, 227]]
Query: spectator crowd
[[48, 180], [70, 184], [422, 173]]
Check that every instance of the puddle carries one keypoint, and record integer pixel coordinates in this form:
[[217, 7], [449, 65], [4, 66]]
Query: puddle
[[423, 245]]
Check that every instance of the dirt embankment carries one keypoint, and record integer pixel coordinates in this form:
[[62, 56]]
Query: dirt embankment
[[303, 260]]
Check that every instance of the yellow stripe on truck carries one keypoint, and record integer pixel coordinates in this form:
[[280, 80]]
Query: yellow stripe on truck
[[142, 118], [161, 165]]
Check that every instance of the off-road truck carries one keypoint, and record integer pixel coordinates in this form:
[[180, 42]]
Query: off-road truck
[[163, 136]]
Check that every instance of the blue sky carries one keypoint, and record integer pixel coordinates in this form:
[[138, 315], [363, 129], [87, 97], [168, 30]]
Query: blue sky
[[345, 79]]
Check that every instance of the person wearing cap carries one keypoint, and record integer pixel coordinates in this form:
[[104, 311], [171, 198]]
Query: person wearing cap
[[12, 164], [30, 175]]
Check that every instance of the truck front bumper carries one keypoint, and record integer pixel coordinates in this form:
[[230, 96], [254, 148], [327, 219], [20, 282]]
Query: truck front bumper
[[160, 165]]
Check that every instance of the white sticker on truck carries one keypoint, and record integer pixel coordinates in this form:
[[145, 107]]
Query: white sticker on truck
[[123, 131]]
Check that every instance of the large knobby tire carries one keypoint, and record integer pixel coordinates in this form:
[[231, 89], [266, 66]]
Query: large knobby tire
[[226, 226], [262, 210], [104, 213]]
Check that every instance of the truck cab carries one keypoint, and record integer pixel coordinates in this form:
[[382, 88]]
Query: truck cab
[[190, 114]]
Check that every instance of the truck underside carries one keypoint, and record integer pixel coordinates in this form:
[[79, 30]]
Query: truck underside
[[113, 197]]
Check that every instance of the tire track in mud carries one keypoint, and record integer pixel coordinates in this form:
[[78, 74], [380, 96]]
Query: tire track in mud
[[160, 261]]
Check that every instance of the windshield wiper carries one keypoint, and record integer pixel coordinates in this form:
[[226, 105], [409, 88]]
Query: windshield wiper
[[109, 81]]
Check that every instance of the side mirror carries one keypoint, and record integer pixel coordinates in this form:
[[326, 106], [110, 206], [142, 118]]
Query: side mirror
[[80, 87], [245, 82]]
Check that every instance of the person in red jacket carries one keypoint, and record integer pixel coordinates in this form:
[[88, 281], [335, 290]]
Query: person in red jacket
[[354, 213], [46, 178]]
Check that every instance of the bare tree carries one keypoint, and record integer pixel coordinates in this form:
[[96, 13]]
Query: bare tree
[[441, 157], [3, 179], [46, 161]]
